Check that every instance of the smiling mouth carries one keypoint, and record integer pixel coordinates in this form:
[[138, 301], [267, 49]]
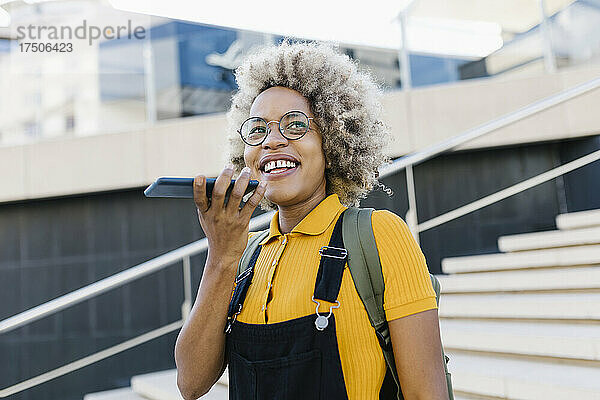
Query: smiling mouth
[[279, 167]]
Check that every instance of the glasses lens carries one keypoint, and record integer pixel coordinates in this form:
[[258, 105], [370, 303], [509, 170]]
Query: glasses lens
[[294, 125], [254, 130]]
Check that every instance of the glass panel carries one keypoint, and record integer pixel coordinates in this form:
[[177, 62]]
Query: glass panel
[[500, 38]]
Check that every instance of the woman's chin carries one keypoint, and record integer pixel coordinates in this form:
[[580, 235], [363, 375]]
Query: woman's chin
[[280, 196]]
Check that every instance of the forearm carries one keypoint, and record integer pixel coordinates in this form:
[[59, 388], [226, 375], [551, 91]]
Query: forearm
[[199, 350]]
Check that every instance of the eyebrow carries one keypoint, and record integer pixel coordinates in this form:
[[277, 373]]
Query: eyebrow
[[266, 119]]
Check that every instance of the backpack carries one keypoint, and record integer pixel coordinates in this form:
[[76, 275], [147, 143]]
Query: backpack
[[365, 268]]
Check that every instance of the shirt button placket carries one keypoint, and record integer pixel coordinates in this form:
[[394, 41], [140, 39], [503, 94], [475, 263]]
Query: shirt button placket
[[272, 273]]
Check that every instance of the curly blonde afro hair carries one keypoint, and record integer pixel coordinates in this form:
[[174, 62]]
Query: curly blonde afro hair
[[343, 99]]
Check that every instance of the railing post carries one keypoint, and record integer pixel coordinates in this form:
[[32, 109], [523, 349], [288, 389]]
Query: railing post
[[149, 83], [412, 219], [546, 32], [186, 306], [403, 54]]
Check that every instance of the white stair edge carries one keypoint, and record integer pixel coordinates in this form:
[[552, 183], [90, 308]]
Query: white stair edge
[[581, 219], [549, 239], [502, 281], [125, 393], [573, 341], [560, 257], [522, 379], [583, 306], [162, 385]]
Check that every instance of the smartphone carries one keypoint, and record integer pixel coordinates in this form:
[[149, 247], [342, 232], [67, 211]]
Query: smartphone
[[183, 188]]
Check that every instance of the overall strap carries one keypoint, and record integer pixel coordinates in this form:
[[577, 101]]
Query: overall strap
[[244, 277], [331, 266]]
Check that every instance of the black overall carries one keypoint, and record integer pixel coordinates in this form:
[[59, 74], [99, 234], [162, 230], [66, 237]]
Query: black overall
[[292, 359]]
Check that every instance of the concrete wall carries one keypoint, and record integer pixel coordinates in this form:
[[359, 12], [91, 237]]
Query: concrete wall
[[186, 147]]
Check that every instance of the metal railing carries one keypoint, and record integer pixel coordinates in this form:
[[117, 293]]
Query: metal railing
[[184, 253]]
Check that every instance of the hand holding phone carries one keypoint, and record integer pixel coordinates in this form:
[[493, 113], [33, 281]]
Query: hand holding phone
[[226, 223], [183, 188]]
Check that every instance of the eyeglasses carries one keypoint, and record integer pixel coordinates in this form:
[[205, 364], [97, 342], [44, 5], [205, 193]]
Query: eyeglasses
[[292, 125]]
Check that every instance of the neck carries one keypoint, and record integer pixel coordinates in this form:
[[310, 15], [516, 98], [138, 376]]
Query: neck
[[290, 216]]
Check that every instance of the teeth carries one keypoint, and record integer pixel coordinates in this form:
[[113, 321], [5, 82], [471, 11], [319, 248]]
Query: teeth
[[279, 164]]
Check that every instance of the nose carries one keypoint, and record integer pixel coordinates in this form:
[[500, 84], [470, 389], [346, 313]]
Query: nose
[[274, 137]]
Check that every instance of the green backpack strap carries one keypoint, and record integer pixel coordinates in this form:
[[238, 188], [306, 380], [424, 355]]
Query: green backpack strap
[[250, 249], [365, 268]]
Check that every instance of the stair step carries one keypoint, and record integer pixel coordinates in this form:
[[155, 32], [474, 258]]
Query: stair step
[[574, 341], [510, 378], [560, 257], [549, 239], [162, 385], [580, 306], [525, 280], [576, 220], [126, 393]]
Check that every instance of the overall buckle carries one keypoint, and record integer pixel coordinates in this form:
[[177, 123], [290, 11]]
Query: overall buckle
[[231, 320], [322, 321], [333, 252], [243, 275]]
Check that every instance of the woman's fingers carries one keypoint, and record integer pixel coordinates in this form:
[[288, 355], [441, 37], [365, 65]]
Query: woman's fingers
[[253, 201], [221, 184], [202, 202], [239, 188], [217, 199]]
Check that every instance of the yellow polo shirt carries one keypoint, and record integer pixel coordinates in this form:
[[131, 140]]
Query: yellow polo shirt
[[286, 271]]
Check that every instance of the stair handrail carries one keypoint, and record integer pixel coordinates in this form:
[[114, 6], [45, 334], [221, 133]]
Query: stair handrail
[[185, 252]]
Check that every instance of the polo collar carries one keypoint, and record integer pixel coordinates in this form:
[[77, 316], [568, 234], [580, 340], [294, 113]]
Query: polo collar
[[315, 223]]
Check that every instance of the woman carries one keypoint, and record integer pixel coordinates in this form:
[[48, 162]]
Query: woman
[[307, 125]]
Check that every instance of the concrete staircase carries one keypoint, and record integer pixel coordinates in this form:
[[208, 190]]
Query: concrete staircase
[[522, 324], [525, 324]]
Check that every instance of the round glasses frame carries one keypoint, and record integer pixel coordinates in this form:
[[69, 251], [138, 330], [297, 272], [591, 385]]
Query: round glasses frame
[[279, 124]]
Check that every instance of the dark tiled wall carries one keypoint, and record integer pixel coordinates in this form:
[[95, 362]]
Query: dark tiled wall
[[50, 247], [456, 179]]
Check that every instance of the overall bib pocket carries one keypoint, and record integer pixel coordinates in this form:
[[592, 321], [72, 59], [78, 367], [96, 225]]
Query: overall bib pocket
[[297, 376], [242, 377]]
